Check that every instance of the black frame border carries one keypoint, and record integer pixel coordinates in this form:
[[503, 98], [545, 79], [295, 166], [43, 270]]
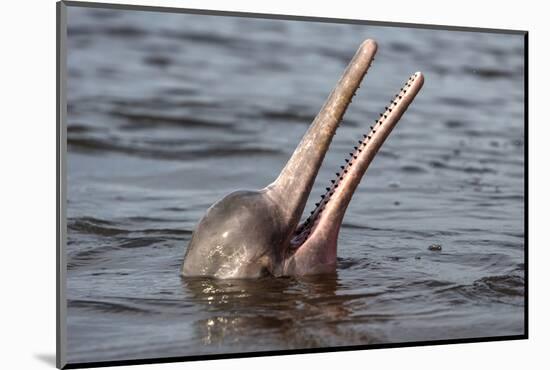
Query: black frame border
[[61, 233]]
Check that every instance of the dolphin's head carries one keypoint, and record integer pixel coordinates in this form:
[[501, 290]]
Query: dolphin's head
[[255, 233], [237, 237]]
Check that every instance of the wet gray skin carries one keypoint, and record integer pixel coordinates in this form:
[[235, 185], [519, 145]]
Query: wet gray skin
[[250, 234]]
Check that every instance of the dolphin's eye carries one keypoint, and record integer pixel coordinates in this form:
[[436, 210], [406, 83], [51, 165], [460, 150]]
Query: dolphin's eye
[[264, 272]]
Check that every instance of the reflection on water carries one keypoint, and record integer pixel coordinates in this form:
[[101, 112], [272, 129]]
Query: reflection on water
[[169, 112], [248, 306]]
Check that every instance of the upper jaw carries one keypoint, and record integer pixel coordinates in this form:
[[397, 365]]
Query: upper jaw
[[291, 189]]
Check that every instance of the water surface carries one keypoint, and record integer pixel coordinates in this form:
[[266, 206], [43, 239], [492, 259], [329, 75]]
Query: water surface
[[167, 113]]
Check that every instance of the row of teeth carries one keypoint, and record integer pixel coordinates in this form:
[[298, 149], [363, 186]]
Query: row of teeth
[[305, 229]]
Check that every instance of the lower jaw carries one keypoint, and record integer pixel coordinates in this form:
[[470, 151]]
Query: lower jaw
[[317, 255]]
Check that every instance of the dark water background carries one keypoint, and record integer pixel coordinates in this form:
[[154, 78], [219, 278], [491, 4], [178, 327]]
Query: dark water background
[[169, 112]]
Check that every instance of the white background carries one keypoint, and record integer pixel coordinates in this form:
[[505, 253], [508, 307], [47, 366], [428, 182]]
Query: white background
[[27, 203]]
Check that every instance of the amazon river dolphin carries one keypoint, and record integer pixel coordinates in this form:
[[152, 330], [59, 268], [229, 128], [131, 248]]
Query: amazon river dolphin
[[253, 233]]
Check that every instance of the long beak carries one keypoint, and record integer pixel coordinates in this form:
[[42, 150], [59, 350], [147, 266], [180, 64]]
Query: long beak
[[338, 197], [315, 240], [296, 180]]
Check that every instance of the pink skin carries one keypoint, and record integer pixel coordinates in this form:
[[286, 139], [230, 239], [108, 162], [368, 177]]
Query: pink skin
[[294, 184], [249, 233], [314, 245]]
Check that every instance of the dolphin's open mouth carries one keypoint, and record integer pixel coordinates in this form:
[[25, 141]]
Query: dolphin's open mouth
[[339, 193], [315, 237]]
